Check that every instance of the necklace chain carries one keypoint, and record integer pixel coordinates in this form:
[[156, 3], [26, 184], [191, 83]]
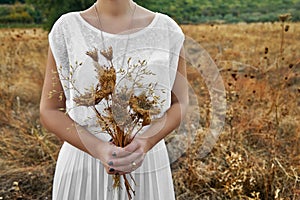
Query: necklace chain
[[129, 27]]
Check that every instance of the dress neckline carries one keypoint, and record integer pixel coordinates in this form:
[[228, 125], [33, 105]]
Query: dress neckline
[[139, 30]]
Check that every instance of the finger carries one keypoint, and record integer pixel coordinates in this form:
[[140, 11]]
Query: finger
[[131, 147], [109, 151], [126, 151], [112, 171], [114, 152], [119, 162], [130, 168]]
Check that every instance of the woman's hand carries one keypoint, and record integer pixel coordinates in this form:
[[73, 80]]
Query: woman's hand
[[117, 160], [106, 153]]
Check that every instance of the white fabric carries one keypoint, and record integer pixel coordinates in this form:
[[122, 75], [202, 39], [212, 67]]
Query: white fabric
[[78, 175]]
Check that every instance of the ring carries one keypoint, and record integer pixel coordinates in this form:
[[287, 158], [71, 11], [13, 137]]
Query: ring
[[133, 164]]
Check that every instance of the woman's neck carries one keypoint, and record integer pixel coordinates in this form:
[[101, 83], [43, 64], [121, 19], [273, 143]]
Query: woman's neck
[[114, 7]]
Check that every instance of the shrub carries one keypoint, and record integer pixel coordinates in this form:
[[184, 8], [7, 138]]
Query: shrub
[[5, 10], [18, 13]]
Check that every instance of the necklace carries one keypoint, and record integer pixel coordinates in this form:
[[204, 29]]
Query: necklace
[[129, 26]]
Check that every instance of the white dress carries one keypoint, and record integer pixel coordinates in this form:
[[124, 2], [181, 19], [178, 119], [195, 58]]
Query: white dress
[[78, 175]]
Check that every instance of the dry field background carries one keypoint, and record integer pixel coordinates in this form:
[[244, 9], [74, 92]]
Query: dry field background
[[257, 155]]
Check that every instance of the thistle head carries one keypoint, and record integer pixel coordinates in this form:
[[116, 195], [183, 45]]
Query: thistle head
[[143, 107], [108, 53], [285, 17], [93, 54]]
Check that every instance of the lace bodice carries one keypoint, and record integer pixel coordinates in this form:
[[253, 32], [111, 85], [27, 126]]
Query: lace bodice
[[71, 37]]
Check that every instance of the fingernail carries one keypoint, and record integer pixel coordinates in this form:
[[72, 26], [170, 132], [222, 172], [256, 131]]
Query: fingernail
[[111, 169], [110, 163]]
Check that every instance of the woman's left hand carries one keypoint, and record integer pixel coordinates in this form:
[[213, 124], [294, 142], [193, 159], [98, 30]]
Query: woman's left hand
[[131, 157]]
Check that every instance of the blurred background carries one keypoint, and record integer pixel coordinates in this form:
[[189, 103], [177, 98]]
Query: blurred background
[[183, 11], [256, 47]]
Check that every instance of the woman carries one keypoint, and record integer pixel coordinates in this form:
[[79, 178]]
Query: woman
[[87, 159]]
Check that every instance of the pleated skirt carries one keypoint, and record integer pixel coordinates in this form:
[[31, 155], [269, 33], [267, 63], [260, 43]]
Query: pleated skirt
[[79, 176]]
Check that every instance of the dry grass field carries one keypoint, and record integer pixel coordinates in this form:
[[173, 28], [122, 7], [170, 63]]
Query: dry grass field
[[257, 155]]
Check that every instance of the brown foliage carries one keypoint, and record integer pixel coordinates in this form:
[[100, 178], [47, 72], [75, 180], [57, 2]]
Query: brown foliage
[[256, 157]]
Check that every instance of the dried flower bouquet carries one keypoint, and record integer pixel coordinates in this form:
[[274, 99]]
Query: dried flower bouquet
[[125, 112]]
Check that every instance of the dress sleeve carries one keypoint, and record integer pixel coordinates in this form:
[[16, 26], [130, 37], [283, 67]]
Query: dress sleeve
[[176, 40], [58, 46]]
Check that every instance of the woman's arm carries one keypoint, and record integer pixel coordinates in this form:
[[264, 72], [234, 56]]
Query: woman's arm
[[58, 122], [159, 129], [175, 114]]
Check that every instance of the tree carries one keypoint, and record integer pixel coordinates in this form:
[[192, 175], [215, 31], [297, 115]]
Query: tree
[[11, 1], [53, 9], [182, 11]]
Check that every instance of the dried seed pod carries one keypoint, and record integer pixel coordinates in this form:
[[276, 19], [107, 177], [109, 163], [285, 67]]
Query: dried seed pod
[[286, 29], [93, 54], [266, 50], [108, 54]]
